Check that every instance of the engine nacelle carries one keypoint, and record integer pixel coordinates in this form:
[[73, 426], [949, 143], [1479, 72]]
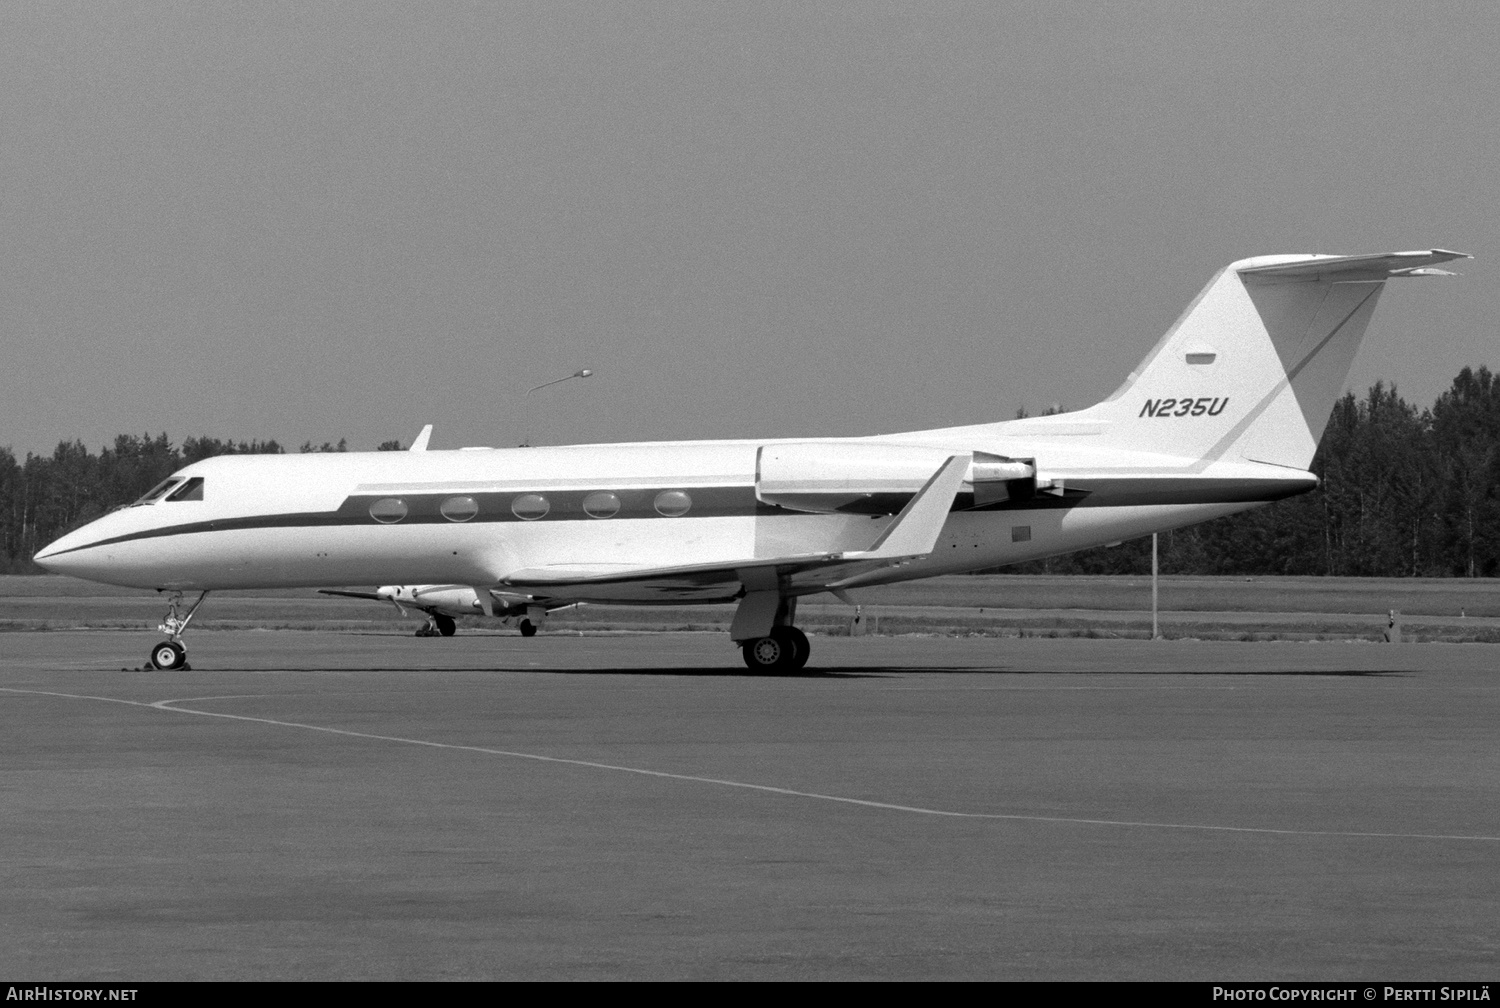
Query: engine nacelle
[[823, 478], [452, 600]]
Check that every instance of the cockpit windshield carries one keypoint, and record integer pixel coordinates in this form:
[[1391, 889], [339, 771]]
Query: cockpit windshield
[[155, 493], [191, 490]]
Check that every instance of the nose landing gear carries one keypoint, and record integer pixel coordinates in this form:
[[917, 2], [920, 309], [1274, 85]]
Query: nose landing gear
[[170, 655]]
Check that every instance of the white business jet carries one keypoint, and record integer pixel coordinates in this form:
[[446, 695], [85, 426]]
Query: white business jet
[[1223, 414]]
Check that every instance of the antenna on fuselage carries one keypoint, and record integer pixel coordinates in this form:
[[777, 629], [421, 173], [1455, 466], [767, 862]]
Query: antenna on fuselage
[[580, 373], [420, 444]]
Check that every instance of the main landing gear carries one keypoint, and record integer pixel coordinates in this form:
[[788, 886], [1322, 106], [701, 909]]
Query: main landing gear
[[437, 625], [535, 618], [763, 629], [170, 655], [785, 650]]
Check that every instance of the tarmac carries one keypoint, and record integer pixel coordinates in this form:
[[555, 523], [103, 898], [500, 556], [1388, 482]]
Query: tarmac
[[324, 806]]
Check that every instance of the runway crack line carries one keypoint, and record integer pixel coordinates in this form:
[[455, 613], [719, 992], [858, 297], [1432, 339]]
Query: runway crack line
[[160, 705]]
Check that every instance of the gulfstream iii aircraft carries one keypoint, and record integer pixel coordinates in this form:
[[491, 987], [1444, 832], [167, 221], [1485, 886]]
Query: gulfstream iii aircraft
[[1223, 414]]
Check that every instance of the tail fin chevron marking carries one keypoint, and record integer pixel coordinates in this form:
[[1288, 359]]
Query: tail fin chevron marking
[[1314, 414]]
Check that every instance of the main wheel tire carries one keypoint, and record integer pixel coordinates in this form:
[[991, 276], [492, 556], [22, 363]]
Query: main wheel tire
[[445, 625], [425, 631], [785, 650], [765, 654], [168, 655], [528, 628], [801, 645]]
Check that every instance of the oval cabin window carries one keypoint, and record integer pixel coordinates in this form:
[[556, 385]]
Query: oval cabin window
[[602, 504], [673, 503], [388, 510], [530, 507], [459, 509]]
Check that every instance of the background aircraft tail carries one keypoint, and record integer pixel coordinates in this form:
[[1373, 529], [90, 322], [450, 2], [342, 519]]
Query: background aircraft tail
[[1253, 367]]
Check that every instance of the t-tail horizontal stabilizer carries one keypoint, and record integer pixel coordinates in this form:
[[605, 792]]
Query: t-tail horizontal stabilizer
[[1356, 267]]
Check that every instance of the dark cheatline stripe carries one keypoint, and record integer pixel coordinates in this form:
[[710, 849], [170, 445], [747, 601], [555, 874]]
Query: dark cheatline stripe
[[727, 502], [311, 519], [422, 509]]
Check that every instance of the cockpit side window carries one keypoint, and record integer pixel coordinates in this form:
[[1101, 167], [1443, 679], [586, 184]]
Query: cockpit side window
[[156, 492], [192, 490]]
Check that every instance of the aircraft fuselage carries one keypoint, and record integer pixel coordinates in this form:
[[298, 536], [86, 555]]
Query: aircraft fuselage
[[476, 516]]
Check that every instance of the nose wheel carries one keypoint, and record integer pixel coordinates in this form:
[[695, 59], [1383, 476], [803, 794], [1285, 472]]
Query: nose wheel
[[785, 650], [169, 655]]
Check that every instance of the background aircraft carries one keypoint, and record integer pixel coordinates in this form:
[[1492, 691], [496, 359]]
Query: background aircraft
[[1223, 414], [443, 603]]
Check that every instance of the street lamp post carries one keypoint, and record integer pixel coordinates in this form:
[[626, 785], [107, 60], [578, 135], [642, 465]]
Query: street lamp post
[[1155, 568], [580, 373]]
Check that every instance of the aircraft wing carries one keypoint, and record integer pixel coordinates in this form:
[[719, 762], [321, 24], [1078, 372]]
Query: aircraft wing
[[913, 533], [686, 574], [350, 594]]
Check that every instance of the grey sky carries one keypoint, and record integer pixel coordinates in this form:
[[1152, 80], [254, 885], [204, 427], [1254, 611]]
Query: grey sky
[[315, 220]]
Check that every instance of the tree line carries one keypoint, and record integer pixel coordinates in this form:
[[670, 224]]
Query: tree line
[[1405, 492]]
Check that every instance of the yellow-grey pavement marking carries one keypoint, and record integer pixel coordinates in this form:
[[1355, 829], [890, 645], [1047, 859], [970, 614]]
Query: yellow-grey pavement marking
[[767, 788]]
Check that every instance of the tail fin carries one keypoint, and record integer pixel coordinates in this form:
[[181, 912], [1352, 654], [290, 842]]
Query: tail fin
[[1252, 368]]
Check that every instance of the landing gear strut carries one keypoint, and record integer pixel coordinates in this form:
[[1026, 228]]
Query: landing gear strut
[[170, 654]]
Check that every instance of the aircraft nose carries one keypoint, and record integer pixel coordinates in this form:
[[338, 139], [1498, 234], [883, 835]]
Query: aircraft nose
[[79, 552], [62, 556]]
